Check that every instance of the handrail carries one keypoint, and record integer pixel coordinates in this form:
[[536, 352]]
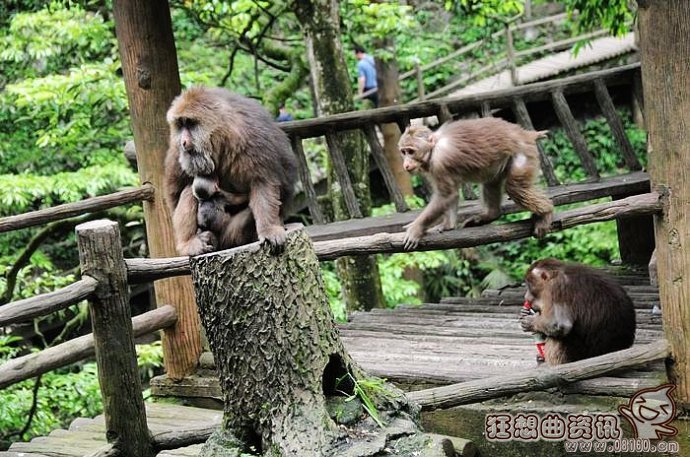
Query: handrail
[[40, 305], [139, 270], [68, 210], [77, 349], [310, 128]]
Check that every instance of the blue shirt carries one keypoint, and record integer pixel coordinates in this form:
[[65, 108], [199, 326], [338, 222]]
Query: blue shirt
[[366, 68]]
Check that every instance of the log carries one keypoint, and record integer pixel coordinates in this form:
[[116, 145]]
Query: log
[[40, 305], [539, 379], [175, 439], [100, 256], [89, 205], [474, 236], [280, 359], [77, 349], [144, 270]]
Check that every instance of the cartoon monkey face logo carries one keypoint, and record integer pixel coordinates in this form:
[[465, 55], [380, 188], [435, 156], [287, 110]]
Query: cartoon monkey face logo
[[649, 411]]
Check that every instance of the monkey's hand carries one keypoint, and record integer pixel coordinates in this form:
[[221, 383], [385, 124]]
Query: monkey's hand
[[412, 236], [527, 322], [202, 243], [275, 236]]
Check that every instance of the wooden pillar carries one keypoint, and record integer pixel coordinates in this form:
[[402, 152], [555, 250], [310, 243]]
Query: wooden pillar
[[664, 50], [100, 256], [149, 64]]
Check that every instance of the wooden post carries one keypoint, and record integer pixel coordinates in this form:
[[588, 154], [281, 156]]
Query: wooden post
[[149, 64], [100, 256], [664, 46], [510, 53]]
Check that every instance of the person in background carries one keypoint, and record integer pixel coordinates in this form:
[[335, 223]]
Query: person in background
[[283, 114], [366, 75]]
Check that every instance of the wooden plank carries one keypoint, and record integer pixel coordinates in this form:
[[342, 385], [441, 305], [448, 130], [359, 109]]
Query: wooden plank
[[572, 129], [22, 310], [385, 169], [89, 205], [616, 125], [520, 110], [305, 177], [340, 167]]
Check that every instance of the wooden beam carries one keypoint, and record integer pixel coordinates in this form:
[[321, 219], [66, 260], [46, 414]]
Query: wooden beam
[[304, 176], [460, 238], [40, 305], [78, 349], [342, 175], [520, 110], [89, 205], [310, 128], [149, 64], [473, 236], [533, 380]]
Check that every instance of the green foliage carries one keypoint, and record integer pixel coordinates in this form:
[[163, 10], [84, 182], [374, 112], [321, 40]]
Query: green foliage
[[613, 15], [601, 144], [480, 11], [26, 192], [43, 42]]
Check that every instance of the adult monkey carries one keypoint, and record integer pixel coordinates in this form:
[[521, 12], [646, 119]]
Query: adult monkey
[[500, 155], [581, 311], [214, 132]]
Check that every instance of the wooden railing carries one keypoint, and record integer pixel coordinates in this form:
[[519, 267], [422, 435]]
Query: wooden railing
[[492, 63]]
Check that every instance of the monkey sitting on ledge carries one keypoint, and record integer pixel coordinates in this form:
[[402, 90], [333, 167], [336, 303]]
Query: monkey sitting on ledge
[[581, 311], [489, 151], [214, 132]]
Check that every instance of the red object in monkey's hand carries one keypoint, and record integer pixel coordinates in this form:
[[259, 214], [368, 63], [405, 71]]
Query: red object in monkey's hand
[[539, 338]]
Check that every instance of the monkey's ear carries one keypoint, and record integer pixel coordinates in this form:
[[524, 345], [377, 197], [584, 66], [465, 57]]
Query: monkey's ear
[[432, 140]]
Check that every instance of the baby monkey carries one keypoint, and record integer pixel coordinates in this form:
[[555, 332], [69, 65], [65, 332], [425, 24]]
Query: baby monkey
[[489, 151], [224, 219]]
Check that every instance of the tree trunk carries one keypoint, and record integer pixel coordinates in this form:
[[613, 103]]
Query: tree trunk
[[320, 22], [149, 64], [285, 375], [665, 47]]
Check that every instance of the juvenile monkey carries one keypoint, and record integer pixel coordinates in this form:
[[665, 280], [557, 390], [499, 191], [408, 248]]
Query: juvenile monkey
[[214, 132], [582, 312], [225, 214], [489, 151]]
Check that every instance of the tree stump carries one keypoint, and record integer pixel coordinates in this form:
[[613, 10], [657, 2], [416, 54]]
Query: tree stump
[[290, 388]]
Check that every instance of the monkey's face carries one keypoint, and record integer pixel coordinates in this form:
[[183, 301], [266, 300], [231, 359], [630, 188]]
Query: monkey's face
[[415, 145], [194, 145], [537, 279]]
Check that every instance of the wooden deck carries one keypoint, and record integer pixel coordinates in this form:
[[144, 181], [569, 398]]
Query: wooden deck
[[457, 340], [596, 51]]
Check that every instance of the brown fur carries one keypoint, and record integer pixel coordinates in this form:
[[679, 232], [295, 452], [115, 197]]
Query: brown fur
[[226, 215], [214, 132], [582, 312], [490, 151]]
